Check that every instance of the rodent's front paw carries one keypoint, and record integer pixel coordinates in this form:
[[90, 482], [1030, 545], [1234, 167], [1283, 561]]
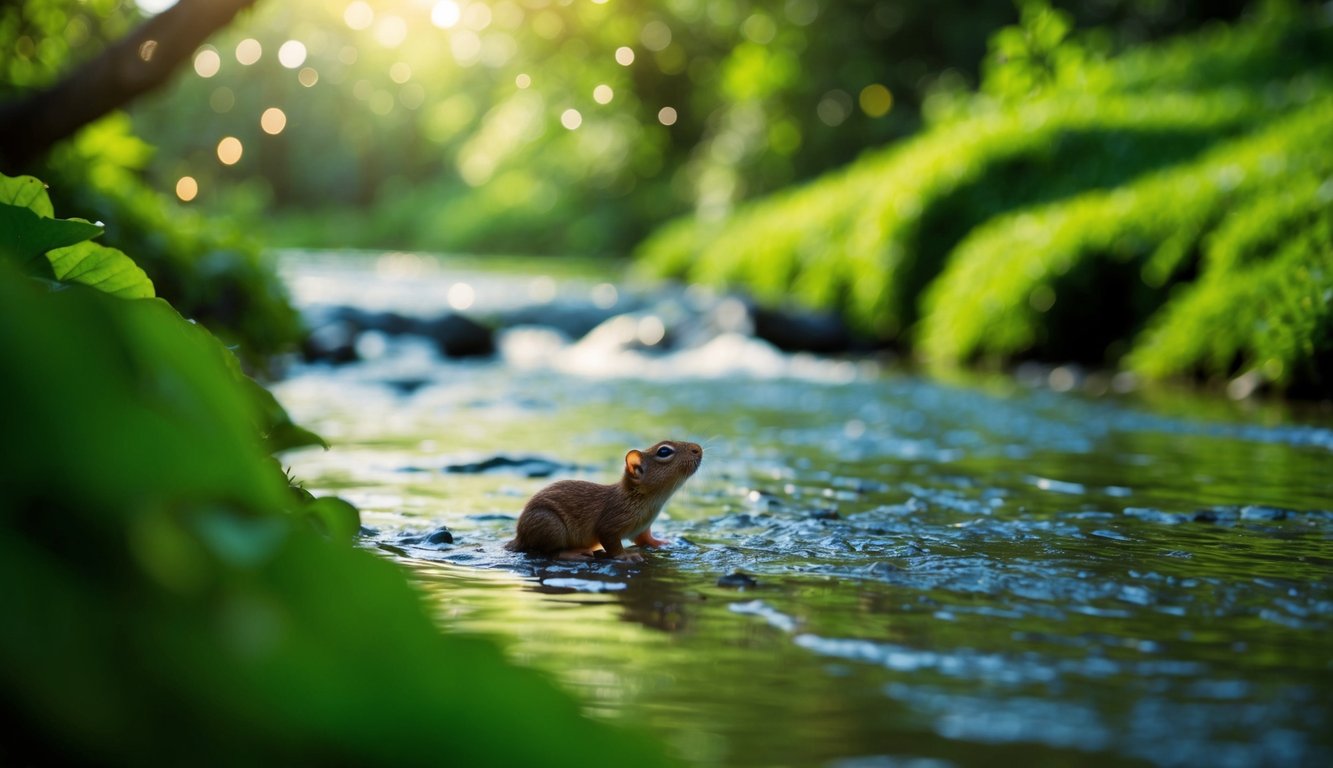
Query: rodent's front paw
[[630, 557]]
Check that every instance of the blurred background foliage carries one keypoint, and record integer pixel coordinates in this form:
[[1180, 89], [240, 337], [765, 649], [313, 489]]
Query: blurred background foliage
[[884, 159], [560, 126], [1164, 208], [204, 265]]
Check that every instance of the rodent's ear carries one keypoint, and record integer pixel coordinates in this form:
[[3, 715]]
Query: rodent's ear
[[634, 464]]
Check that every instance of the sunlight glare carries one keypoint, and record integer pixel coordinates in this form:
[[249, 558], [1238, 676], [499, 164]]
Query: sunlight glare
[[273, 121], [359, 15], [187, 189], [391, 31], [292, 54], [207, 62], [248, 51], [477, 16], [445, 14], [461, 296], [230, 150]]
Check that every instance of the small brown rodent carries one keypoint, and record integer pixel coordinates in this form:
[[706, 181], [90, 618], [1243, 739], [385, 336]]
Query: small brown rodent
[[575, 518]]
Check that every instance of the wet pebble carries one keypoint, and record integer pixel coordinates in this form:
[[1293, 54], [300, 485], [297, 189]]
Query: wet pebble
[[795, 330], [526, 466], [459, 336], [738, 580], [1264, 513], [437, 538]]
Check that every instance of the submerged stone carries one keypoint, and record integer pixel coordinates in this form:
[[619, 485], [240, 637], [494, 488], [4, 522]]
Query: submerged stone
[[738, 580], [437, 538]]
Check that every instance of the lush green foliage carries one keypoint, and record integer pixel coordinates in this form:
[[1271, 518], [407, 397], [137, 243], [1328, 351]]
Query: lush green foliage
[[1054, 214], [207, 269], [512, 126], [175, 598]]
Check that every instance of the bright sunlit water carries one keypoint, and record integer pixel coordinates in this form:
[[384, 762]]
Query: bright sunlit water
[[940, 574]]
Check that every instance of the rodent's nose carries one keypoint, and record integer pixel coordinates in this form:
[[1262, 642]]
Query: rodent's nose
[[696, 450]]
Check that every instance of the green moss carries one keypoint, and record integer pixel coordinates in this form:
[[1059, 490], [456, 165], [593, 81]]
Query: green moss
[[1264, 303], [1069, 279], [1056, 222]]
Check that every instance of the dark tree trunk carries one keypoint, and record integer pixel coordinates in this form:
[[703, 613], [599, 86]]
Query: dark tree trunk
[[128, 68]]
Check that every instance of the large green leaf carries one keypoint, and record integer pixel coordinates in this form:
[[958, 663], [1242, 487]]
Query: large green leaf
[[28, 229], [100, 267], [26, 235], [173, 598], [26, 192]]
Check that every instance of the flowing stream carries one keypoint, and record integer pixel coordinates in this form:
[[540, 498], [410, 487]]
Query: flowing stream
[[871, 568]]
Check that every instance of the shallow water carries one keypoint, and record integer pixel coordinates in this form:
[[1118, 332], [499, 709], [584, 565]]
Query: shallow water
[[938, 574]]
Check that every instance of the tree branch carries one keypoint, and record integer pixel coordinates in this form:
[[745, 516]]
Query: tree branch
[[128, 68]]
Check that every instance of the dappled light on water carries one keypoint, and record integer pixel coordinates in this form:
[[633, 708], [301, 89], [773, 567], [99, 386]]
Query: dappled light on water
[[869, 565]]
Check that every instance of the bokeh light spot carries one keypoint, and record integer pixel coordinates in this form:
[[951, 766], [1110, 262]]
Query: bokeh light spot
[[273, 121], [523, 81], [359, 15], [465, 45], [146, 49], [603, 94], [445, 14], [400, 72], [477, 16], [391, 31], [187, 188], [461, 296], [571, 119], [230, 150], [834, 108], [221, 100], [292, 54], [207, 62], [656, 36], [759, 28], [248, 51], [876, 100], [307, 77], [624, 56], [667, 116]]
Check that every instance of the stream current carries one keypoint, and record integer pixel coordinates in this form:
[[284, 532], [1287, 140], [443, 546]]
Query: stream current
[[871, 568]]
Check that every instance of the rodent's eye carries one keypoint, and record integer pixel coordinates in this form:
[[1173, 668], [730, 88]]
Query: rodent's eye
[[665, 451]]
